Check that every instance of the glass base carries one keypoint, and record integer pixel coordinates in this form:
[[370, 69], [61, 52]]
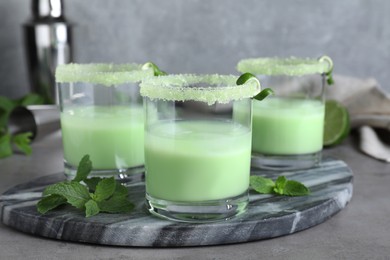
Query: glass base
[[285, 162], [198, 212], [123, 175]]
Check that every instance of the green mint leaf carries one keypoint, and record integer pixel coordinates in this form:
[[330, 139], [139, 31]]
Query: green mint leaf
[[279, 185], [104, 189], [7, 104], [3, 120], [75, 193], [4, 114], [91, 208], [295, 188], [116, 205], [50, 202], [84, 168], [22, 142], [92, 182], [109, 195], [120, 191], [5, 145], [282, 186], [31, 99], [261, 184], [263, 94]]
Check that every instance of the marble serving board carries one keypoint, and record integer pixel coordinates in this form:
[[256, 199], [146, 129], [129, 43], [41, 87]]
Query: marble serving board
[[267, 216]]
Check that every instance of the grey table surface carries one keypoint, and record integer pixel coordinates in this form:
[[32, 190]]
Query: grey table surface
[[360, 231]]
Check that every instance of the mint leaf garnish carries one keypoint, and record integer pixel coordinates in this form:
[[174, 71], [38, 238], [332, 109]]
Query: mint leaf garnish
[[261, 184], [6, 106], [50, 202], [84, 168], [5, 145], [100, 194], [22, 142], [75, 193], [120, 191], [93, 182], [116, 205], [31, 99], [104, 189], [281, 186], [118, 202], [91, 208], [294, 188]]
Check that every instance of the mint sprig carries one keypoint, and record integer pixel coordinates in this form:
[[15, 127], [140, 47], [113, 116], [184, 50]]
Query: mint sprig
[[5, 145], [98, 195], [104, 189], [262, 185], [50, 202], [84, 168], [92, 183], [21, 141], [75, 193], [91, 208], [280, 183], [281, 186]]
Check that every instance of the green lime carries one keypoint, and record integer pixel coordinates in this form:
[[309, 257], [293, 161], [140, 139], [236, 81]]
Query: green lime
[[245, 77], [156, 69], [336, 123], [249, 76]]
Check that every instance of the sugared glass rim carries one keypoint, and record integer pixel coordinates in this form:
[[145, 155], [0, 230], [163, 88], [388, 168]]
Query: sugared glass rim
[[292, 66], [214, 88], [102, 73]]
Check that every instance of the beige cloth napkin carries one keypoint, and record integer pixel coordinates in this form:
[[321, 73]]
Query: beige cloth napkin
[[369, 108]]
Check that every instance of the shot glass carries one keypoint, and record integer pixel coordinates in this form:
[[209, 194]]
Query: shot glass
[[102, 116], [197, 148], [288, 127]]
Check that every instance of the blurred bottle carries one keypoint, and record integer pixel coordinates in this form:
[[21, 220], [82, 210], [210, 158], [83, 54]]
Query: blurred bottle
[[48, 43]]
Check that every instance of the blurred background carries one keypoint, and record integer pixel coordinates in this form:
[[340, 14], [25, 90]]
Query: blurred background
[[209, 36]]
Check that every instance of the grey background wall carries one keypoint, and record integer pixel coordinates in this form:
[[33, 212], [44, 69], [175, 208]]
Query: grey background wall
[[210, 36]]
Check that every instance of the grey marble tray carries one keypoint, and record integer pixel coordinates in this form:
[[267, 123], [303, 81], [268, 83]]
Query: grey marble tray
[[267, 216]]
